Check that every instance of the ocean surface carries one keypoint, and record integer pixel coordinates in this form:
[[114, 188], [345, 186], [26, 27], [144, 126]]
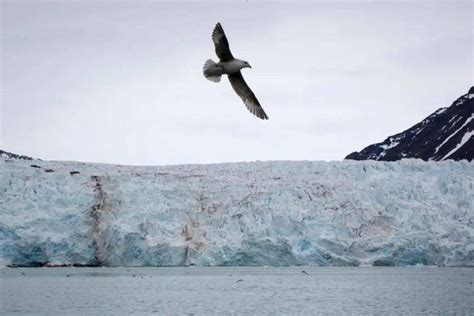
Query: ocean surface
[[236, 290]]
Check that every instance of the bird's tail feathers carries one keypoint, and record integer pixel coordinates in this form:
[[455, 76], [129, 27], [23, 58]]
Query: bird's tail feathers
[[211, 72]]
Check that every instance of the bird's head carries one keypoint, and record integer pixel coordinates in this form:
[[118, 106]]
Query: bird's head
[[245, 64]]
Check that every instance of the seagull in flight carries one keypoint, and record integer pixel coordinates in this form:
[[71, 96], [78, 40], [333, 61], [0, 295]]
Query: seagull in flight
[[230, 66]]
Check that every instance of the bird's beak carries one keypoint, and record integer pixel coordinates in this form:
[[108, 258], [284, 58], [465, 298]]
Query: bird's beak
[[250, 66]]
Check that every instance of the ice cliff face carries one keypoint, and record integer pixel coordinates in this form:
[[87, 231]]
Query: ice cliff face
[[263, 213]]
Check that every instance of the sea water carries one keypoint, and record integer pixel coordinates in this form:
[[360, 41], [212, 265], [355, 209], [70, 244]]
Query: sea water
[[236, 290]]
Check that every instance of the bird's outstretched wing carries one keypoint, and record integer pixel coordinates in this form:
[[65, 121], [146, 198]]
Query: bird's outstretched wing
[[244, 92], [221, 44]]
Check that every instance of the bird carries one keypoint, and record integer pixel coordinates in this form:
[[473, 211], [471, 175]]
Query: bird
[[230, 66]]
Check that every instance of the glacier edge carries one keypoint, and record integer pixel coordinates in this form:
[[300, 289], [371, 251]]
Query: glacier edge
[[261, 213]]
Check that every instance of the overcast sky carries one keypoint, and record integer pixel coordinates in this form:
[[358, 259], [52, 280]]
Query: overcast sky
[[121, 82]]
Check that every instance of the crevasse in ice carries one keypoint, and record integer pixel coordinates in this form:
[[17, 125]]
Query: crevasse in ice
[[261, 213]]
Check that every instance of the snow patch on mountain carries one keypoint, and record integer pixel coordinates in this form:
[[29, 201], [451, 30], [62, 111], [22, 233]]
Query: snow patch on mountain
[[466, 137], [453, 134]]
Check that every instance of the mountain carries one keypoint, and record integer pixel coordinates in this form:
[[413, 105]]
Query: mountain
[[6, 154], [448, 133]]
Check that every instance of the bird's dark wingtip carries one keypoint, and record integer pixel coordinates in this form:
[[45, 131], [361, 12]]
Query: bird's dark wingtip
[[262, 116], [218, 28]]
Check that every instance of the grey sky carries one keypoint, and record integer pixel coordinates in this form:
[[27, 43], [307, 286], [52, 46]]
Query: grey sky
[[121, 82]]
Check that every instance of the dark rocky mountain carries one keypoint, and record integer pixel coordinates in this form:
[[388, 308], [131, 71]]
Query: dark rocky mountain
[[6, 154], [448, 133]]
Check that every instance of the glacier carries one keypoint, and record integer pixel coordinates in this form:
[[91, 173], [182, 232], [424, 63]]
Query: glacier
[[279, 213]]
